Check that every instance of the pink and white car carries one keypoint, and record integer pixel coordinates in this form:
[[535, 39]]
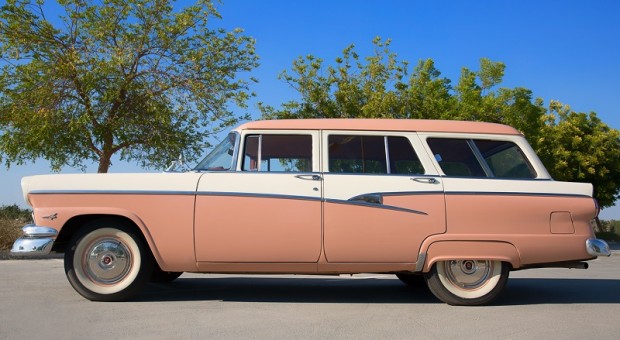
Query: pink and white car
[[456, 204]]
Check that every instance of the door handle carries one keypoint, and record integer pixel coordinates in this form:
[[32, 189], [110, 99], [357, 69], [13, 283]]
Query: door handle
[[427, 180], [309, 177]]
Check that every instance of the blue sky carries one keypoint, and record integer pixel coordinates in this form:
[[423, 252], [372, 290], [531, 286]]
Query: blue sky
[[562, 50]]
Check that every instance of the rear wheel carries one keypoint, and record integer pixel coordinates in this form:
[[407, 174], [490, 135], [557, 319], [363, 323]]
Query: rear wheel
[[467, 282], [107, 261]]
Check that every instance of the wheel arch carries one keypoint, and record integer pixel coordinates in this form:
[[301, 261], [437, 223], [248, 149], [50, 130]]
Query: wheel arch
[[73, 225], [471, 250]]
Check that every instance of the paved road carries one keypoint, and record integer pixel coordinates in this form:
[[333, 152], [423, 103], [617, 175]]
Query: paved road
[[36, 301]]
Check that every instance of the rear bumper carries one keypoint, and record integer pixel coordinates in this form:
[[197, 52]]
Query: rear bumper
[[36, 240], [597, 247]]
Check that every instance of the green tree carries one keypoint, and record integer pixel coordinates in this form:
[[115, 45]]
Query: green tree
[[579, 147], [128, 77], [573, 146]]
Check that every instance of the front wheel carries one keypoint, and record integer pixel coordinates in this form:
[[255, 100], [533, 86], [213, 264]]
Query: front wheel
[[467, 282], [107, 261]]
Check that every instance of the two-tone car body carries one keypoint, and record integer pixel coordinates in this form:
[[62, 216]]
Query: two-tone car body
[[458, 204]]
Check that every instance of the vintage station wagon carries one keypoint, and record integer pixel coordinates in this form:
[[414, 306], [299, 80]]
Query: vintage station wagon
[[455, 204]]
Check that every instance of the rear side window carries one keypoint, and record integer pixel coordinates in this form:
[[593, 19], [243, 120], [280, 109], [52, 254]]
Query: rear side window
[[372, 155], [278, 153], [505, 159], [480, 158]]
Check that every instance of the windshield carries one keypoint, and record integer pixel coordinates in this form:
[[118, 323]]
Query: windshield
[[221, 158]]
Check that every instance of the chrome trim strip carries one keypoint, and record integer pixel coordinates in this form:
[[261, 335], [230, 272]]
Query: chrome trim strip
[[368, 198], [372, 205], [381, 175], [256, 195], [406, 193], [396, 193], [507, 193], [110, 192], [597, 247], [500, 178]]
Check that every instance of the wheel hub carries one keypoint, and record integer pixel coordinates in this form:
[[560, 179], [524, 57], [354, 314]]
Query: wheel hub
[[108, 261], [468, 274]]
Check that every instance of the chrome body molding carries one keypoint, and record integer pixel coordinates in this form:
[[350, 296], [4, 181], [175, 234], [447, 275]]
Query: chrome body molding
[[37, 240], [597, 247]]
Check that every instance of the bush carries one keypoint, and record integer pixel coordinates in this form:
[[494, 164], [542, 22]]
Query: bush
[[12, 218]]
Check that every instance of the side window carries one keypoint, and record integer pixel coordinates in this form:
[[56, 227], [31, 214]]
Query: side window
[[505, 159], [456, 157], [278, 153], [480, 158], [367, 155], [357, 154], [403, 159]]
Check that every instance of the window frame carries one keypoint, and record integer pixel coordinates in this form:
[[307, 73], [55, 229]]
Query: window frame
[[313, 134], [410, 137]]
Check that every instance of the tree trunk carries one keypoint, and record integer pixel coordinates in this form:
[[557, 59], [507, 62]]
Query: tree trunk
[[104, 163]]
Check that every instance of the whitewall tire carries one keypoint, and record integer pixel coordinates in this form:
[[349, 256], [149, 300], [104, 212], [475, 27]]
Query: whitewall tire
[[468, 282], [107, 261]]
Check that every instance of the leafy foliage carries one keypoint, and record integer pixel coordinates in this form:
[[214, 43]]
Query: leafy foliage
[[573, 146], [12, 218], [130, 77]]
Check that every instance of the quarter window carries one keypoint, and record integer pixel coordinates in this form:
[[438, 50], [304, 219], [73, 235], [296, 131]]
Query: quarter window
[[278, 153], [505, 159], [480, 158]]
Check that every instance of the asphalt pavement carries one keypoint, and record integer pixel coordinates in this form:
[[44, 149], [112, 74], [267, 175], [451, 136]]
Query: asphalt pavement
[[36, 301]]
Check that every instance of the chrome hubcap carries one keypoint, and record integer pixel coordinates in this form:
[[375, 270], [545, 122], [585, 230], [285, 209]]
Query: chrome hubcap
[[107, 261], [468, 274]]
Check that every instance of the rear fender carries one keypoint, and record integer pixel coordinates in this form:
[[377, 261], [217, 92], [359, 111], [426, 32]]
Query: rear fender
[[471, 250]]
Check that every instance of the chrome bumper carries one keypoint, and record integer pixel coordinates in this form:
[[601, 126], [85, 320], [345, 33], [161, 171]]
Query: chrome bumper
[[36, 240], [597, 247]]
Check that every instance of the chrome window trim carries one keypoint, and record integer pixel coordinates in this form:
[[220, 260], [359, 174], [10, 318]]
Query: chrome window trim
[[260, 152], [233, 166], [387, 155], [483, 163]]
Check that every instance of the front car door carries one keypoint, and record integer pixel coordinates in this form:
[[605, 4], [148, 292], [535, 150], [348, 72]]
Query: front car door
[[268, 210]]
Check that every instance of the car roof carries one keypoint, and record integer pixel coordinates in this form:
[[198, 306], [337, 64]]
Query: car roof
[[417, 125]]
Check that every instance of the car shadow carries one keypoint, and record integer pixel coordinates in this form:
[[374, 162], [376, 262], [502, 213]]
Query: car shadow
[[519, 291], [296, 290], [524, 291]]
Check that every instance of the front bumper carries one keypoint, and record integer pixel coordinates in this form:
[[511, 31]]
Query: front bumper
[[36, 240], [597, 247]]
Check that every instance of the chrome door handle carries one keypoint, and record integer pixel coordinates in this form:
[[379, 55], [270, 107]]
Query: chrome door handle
[[426, 180], [309, 177]]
